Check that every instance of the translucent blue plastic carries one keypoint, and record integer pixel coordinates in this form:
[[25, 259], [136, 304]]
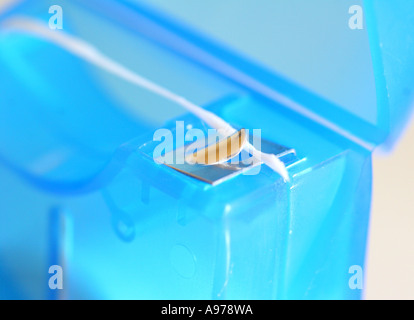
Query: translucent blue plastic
[[361, 80], [79, 187]]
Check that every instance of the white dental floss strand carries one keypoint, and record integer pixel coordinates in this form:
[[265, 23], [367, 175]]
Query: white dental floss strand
[[87, 52]]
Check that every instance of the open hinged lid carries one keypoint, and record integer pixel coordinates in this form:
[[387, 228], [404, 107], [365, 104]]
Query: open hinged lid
[[346, 64]]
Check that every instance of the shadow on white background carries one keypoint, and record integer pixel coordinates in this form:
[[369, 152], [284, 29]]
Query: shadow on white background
[[390, 260]]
